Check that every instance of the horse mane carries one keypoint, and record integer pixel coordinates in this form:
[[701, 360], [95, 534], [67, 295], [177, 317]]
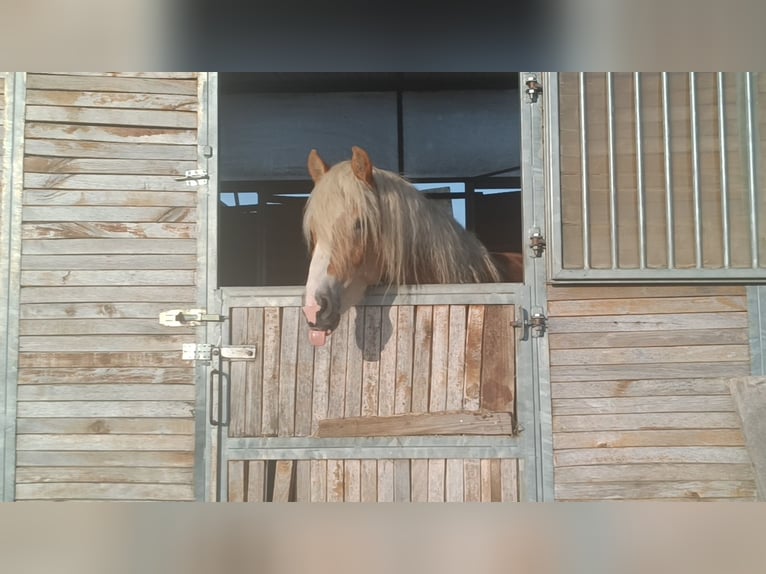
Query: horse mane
[[415, 241]]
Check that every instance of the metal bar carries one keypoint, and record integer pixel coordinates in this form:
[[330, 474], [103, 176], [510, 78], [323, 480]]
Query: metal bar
[[613, 238], [584, 173], [752, 173], [756, 306], [640, 173], [710, 275], [669, 228], [697, 200], [724, 172]]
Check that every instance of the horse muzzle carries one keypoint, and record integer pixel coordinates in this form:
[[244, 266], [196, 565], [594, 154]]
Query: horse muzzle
[[317, 334]]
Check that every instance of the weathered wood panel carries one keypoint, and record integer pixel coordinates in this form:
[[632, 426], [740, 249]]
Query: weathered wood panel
[[446, 423], [105, 401], [377, 367], [638, 412], [377, 480]]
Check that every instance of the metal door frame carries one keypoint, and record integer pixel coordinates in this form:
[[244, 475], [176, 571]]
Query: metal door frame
[[533, 446]]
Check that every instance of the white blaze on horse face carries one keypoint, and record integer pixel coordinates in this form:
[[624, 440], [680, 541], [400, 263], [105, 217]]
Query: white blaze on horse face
[[320, 261]]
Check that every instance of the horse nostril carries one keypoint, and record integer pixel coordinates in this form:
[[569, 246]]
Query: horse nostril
[[324, 304]]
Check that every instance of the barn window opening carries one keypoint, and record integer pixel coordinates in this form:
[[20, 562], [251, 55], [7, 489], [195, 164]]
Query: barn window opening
[[454, 136]]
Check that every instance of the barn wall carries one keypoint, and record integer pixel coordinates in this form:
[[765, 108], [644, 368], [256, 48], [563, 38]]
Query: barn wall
[[640, 399], [105, 403]]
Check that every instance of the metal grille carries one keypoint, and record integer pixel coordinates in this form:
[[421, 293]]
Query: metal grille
[[657, 176]]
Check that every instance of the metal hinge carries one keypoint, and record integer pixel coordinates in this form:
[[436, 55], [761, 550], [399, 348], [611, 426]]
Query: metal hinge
[[188, 317], [536, 321], [536, 242], [194, 177], [206, 352], [534, 89]]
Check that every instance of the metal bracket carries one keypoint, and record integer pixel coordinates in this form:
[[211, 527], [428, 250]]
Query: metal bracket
[[206, 352], [536, 242], [536, 321], [188, 317], [194, 177], [534, 89]]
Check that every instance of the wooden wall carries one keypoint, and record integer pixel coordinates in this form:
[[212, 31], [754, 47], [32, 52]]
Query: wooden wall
[[105, 403], [641, 405]]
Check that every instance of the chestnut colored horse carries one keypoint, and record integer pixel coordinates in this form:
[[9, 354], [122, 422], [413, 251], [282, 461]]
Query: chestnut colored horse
[[366, 226]]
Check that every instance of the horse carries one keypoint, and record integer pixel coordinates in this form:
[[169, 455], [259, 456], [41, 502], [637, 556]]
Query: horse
[[367, 226]]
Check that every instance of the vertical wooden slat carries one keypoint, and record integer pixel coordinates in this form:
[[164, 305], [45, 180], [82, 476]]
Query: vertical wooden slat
[[254, 374], [283, 478], [436, 472], [287, 371], [236, 481], [402, 483], [354, 366], [404, 348], [318, 481], [495, 480], [303, 481], [486, 480], [238, 374], [271, 338], [304, 383], [498, 361], [454, 480], [256, 481], [439, 359], [472, 480], [419, 472], [321, 386], [369, 481], [385, 480], [351, 481], [371, 361], [473, 352], [388, 359], [456, 358], [509, 491], [421, 369], [335, 481], [338, 360]]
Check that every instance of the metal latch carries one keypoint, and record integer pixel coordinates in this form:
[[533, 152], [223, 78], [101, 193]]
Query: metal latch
[[536, 242], [536, 321], [194, 177], [188, 317], [206, 352], [534, 89]]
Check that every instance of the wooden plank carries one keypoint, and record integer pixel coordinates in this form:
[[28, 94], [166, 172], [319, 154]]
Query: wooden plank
[[41, 474], [99, 326], [643, 388], [321, 386], [368, 481], [388, 362], [108, 116], [103, 181], [412, 424], [498, 359], [563, 293], [371, 361], [454, 481], [353, 406], [645, 371], [283, 478], [439, 359], [79, 409], [120, 214], [143, 426], [161, 459], [107, 197], [302, 481], [66, 343], [352, 481], [107, 277], [104, 246], [110, 442], [181, 75], [663, 322], [335, 480], [107, 491], [701, 337], [495, 480], [653, 472], [385, 480], [170, 168], [256, 483], [402, 485], [318, 481], [338, 362], [237, 486], [665, 404], [666, 437], [253, 397], [112, 100], [404, 357], [509, 490], [101, 133], [436, 472], [692, 490], [473, 353], [142, 359], [110, 150], [111, 84], [271, 352], [117, 311], [288, 362], [421, 369], [137, 262], [637, 455], [237, 376], [643, 306], [641, 355], [419, 477], [101, 392], [485, 477], [646, 421], [304, 382], [472, 480], [108, 230], [456, 358]]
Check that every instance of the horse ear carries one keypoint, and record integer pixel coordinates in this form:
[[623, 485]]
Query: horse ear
[[362, 166], [317, 166]]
